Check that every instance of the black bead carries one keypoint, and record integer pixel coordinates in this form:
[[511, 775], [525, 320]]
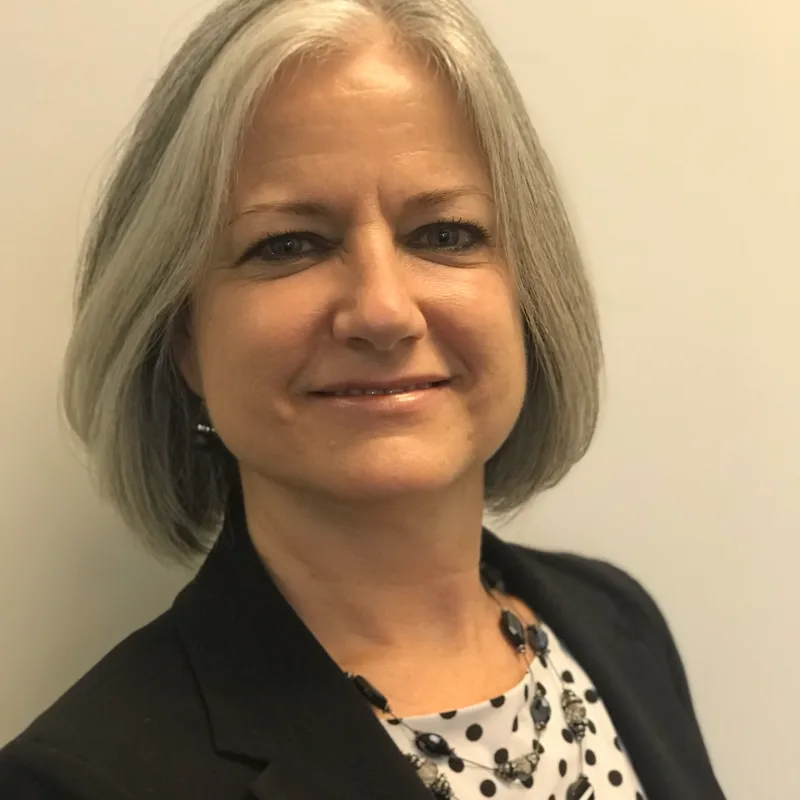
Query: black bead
[[538, 638], [541, 710], [371, 693], [433, 745], [512, 628], [581, 790]]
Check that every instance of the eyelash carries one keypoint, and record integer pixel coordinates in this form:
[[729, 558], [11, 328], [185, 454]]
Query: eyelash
[[480, 235]]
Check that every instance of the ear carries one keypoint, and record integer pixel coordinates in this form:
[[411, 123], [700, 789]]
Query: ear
[[184, 351]]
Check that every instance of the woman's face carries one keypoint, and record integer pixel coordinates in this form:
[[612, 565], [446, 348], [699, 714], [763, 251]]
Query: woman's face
[[374, 286]]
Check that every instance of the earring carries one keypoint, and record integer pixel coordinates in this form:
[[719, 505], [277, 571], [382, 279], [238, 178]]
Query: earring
[[203, 436]]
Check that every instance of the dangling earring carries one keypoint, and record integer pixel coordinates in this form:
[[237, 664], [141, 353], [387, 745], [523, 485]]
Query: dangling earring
[[203, 436]]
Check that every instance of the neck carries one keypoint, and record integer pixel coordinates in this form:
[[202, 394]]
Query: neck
[[392, 578]]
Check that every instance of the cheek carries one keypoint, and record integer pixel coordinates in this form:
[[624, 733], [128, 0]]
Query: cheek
[[506, 363], [248, 319], [493, 324], [246, 341]]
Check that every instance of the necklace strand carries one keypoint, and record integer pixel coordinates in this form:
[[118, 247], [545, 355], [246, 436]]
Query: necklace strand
[[433, 746]]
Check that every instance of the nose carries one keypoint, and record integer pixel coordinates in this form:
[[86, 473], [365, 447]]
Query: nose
[[379, 297]]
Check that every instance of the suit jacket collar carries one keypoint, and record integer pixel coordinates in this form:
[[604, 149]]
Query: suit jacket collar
[[272, 692], [635, 684], [273, 695]]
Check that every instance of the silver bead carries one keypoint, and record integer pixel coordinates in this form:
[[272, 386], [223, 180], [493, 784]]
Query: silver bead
[[441, 788], [429, 774], [518, 769], [574, 713], [506, 771]]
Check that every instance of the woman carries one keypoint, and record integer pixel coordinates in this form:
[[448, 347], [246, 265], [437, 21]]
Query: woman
[[331, 304]]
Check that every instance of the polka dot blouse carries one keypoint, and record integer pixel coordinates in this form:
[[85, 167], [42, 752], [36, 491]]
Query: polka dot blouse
[[502, 729]]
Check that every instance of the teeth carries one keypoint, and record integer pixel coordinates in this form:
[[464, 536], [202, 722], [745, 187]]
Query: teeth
[[369, 392]]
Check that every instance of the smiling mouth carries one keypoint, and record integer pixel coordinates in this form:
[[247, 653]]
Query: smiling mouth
[[381, 392]]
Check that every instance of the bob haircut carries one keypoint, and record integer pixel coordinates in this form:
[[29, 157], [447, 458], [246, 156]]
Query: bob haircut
[[160, 216]]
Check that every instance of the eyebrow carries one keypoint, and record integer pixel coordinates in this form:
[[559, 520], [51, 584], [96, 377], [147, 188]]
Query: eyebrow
[[315, 208]]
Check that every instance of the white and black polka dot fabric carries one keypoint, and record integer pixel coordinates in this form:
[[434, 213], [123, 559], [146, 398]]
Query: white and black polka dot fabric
[[502, 729]]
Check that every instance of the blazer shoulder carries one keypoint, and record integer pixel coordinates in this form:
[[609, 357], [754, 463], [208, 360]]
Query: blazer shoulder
[[130, 680], [600, 579], [136, 700], [598, 576], [34, 770]]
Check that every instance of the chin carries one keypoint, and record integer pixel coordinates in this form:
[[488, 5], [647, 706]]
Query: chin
[[396, 477]]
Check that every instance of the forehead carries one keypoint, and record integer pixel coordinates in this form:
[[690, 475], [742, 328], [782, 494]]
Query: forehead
[[375, 114]]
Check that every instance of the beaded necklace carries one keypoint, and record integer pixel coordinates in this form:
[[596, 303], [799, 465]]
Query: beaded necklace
[[432, 748]]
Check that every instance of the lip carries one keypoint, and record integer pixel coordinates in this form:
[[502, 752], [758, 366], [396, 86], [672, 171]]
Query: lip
[[396, 383], [407, 402]]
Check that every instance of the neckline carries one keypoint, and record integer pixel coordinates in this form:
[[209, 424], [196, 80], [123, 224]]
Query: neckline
[[513, 696]]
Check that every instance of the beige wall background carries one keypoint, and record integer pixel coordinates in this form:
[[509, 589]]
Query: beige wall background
[[674, 127]]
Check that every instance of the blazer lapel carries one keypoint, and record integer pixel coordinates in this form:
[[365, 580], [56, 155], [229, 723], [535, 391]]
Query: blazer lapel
[[658, 734], [272, 693]]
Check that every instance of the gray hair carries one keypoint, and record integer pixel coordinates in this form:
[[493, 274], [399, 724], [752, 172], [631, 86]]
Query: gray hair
[[161, 215]]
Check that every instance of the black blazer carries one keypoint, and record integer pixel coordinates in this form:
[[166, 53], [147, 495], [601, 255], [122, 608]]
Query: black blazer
[[228, 696]]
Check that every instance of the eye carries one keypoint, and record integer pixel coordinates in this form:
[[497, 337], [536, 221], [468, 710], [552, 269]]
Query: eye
[[285, 246], [448, 236], [444, 235]]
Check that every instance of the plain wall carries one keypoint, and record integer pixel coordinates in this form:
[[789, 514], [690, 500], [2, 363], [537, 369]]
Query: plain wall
[[674, 128]]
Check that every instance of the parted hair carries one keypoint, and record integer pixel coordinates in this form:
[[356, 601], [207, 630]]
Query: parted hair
[[164, 206]]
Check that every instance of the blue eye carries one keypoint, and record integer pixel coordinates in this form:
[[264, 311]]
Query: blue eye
[[445, 236]]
